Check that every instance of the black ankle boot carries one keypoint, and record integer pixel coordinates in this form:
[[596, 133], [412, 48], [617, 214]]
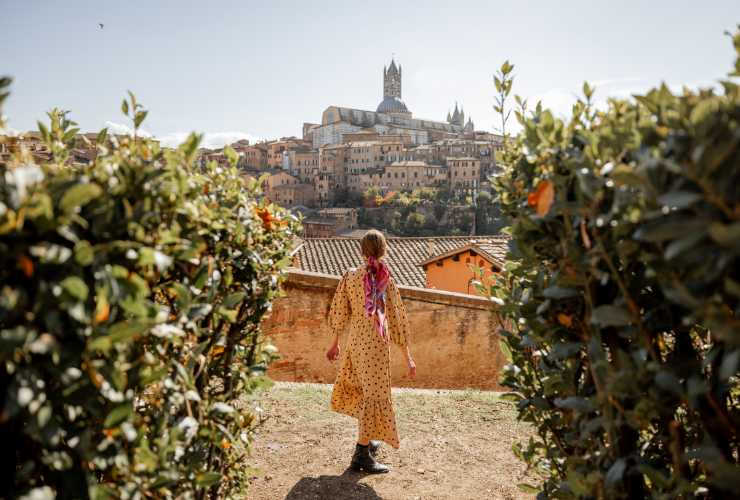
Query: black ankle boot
[[363, 460], [374, 447]]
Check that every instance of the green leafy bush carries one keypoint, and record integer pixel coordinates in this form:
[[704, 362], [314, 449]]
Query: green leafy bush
[[623, 299], [132, 293]]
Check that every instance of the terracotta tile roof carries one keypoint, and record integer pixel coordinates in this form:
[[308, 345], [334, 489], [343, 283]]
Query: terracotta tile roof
[[405, 255], [493, 251]]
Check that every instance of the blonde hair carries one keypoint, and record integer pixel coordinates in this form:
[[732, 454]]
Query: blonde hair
[[373, 244]]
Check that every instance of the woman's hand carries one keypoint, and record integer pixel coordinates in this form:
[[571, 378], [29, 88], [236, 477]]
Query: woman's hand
[[412, 367], [333, 353]]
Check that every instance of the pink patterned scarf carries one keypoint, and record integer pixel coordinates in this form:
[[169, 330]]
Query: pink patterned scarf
[[375, 282]]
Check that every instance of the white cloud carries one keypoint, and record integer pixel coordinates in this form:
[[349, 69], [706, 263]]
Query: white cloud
[[9, 131], [210, 140], [121, 129]]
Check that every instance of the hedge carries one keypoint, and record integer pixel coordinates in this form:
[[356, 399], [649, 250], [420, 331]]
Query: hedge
[[132, 293], [623, 294]]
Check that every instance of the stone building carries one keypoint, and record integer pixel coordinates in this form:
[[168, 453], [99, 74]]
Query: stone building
[[391, 116], [330, 222], [303, 163], [290, 195], [409, 175], [464, 173], [254, 156]]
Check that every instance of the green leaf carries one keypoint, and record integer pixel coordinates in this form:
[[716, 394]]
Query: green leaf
[[556, 292], [727, 235], [228, 314], [231, 155], [504, 346], [667, 381], [208, 478], [233, 299], [514, 397], [84, 254], [201, 277], [79, 195], [75, 287], [527, 488], [615, 473], [103, 492], [70, 135], [144, 458], [729, 365], [679, 199], [102, 136], [625, 175], [124, 107], [563, 350], [679, 246], [44, 131], [576, 403], [588, 91], [669, 228], [139, 118], [122, 331], [732, 287], [608, 315], [118, 414]]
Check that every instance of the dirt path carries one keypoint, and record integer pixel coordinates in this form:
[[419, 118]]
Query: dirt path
[[454, 444]]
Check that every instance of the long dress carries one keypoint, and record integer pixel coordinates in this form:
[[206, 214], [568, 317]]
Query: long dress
[[363, 386]]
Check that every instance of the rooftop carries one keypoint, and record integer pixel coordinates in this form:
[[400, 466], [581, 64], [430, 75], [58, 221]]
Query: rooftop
[[495, 253], [336, 255], [410, 163]]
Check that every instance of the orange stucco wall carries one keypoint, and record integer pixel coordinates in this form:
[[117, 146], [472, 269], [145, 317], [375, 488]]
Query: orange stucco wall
[[454, 338], [456, 275]]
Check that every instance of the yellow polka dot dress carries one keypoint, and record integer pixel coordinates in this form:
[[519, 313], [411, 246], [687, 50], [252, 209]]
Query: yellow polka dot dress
[[363, 386]]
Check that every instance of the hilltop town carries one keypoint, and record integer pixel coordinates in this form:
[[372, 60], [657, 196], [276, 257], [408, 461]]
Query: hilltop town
[[357, 158], [353, 157]]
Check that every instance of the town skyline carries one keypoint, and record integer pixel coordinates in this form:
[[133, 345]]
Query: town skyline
[[300, 74]]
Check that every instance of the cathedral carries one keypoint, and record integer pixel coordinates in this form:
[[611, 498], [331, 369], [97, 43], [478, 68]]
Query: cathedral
[[392, 116]]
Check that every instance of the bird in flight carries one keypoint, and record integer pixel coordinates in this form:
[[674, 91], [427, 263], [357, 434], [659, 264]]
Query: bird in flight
[[100, 25]]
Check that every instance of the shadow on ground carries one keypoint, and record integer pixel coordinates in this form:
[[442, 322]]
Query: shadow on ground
[[341, 487]]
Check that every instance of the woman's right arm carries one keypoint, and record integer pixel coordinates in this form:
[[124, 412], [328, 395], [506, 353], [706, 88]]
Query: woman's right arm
[[339, 317]]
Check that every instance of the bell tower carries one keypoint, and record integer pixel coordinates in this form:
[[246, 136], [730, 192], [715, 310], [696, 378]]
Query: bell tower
[[392, 80]]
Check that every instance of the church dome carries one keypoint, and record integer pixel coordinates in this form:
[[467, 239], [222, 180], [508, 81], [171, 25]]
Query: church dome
[[392, 104]]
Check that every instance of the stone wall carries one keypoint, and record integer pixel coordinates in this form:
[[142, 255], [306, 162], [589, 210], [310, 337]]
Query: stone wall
[[454, 337]]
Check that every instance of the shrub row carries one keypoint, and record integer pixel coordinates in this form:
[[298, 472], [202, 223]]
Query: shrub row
[[623, 297], [132, 292]]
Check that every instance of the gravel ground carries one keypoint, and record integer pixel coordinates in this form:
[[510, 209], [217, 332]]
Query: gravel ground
[[454, 444]]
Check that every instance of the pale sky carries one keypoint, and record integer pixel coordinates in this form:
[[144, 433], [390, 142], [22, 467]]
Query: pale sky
[[236, 69]]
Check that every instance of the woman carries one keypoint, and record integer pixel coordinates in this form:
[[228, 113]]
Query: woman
[[364, 299]]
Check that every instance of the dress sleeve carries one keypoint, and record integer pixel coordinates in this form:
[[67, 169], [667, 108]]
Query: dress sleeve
[[396, 314], [339, 312]]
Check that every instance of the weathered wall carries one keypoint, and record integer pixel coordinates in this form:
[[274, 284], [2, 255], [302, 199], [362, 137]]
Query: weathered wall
[[454, 337]]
